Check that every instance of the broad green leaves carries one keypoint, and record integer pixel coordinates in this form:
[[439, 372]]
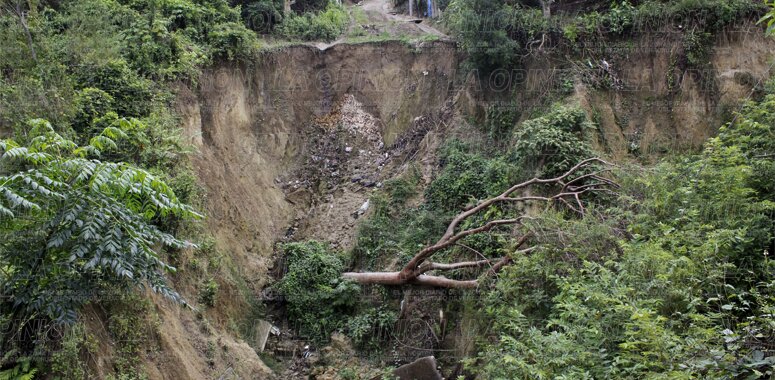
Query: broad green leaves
[[769, 18]]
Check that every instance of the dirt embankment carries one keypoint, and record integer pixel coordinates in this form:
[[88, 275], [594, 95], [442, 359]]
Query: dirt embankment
[[257, 125], [250, 124], [646, 97]]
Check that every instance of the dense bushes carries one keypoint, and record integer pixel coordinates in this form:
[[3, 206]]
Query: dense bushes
[[496, 34], [317, 297], [468, 177], [132, 95], [675, 281], [551, 144], [319, 302], [545, 146], [262, 16], [483, 27], [394, 228], [326, 25]]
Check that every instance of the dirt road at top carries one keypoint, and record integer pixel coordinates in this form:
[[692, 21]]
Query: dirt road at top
[[383, 9], [377, 18]]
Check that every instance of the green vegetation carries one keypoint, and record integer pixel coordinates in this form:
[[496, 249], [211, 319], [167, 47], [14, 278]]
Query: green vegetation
[[544, 146], [369, 327], [207, 292], [75, 227], [549, 145], [496, 34], [769, 17], [673, 280], [66, 363], [467, 177], [395, 230], [71, 222], [669, 278], [91, 202], [133, 325], [326, 25], [317, 297]]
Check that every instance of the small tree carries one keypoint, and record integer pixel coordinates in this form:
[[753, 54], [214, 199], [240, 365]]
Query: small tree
[[70, 223]]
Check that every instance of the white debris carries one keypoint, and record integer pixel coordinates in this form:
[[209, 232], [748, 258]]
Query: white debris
[[348, 149], [360, 123], [364, 207]]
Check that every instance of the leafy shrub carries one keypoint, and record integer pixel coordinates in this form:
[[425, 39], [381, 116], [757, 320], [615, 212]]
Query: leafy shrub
[[710, 14], [395, 228], [326, 25], [231, 40], [370, 328], [22, 371], [90, 104], [207, 292], [262, 16], [183, 26], [316, 295], [133, 327], [66, 362], [499, 122], [131, 93], [483, 27], [697, 47], [468, 177], [400, 190], [553, 143]]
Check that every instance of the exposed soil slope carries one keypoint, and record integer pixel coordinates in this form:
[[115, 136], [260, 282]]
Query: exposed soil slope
[[253, 125]]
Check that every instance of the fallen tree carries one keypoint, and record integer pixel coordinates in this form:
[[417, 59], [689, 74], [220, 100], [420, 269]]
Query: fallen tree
[[584, 177]]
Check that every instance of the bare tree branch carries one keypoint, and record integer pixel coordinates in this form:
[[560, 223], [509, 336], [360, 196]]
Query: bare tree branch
[[569, 194]]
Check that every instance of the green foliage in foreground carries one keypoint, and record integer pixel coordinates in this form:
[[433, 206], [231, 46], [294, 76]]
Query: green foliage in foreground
[[71, 223], [675, 282]]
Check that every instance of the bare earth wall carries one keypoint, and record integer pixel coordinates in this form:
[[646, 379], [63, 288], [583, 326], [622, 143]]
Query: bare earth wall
[[246, 121]]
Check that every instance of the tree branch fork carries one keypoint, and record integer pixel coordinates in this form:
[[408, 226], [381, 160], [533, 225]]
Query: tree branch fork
[[571, 186]]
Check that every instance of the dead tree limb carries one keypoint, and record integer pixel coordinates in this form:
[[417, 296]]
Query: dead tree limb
[[569, 188]]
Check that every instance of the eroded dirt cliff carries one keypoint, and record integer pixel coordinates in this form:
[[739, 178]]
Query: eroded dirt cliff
[[258, 125]]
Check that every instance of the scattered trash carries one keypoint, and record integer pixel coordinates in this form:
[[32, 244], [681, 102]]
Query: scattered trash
[[263, 329], [362, 210]]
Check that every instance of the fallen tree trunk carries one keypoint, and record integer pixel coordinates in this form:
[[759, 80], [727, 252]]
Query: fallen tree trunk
[[394, 278], [568, 193]]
